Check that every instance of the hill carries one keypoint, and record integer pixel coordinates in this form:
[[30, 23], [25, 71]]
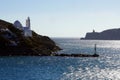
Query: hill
[[110, 34], [12, 42]]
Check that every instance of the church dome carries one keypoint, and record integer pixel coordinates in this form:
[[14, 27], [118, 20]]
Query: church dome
[[18, 24]]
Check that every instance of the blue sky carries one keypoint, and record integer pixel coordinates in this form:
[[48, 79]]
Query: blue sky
[[63, 18]]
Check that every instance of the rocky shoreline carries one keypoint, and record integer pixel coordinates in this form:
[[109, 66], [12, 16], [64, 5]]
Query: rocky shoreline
[[13, 42], [77, 55]]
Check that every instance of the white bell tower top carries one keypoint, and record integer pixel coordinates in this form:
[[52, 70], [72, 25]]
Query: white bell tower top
[[28, 22]]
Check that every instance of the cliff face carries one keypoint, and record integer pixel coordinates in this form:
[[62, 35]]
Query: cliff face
[[12, 42], [111, 34]]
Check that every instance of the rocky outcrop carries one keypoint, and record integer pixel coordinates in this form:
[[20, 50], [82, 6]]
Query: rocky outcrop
[[12, 42], [111, 34]]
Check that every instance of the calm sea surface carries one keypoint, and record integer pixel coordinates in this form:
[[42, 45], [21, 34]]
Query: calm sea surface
[[105, 67]]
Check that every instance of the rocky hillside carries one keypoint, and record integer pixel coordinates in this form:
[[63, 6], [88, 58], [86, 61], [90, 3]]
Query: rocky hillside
[[12, 42]]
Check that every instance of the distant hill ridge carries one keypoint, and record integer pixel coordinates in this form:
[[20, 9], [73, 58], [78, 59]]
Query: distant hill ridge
[[110, 34], [12, 42]]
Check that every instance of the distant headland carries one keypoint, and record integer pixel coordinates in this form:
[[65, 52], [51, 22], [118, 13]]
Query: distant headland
[[110, 34]]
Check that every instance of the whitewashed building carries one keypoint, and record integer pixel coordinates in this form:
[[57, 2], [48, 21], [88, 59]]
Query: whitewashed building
[[27, 30]]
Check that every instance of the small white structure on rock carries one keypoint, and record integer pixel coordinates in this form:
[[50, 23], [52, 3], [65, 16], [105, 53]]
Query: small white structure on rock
[[27, 31]]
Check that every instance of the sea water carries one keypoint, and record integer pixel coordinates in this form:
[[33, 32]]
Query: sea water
[[105, 67]]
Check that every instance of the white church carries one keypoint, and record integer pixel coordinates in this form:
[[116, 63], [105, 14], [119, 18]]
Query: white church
[[27, 30]]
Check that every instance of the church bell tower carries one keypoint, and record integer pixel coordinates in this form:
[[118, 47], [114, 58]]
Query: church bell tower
[[28, 22]]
